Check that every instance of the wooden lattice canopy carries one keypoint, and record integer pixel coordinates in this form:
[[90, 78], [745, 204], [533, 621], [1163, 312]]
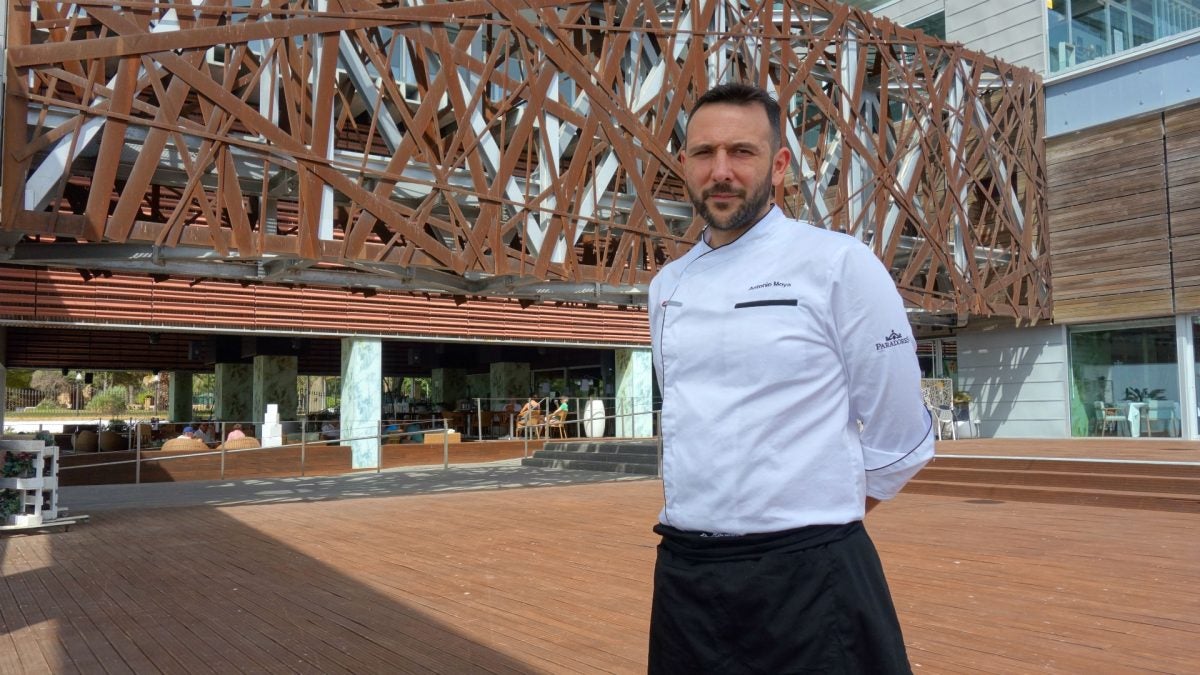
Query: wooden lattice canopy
[[512, 147]]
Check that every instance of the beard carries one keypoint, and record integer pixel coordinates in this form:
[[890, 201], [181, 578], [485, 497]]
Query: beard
[[745, 215]]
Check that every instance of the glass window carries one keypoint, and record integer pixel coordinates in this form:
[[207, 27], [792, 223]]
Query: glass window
[[1124, 380], [933, 25], [1084, 30]]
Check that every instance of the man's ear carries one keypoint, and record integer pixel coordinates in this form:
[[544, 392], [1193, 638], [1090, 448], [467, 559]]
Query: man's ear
[[779, 165]]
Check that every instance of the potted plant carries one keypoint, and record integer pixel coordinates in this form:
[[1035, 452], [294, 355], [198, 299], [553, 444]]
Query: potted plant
[[113, 438], [962, 406], [10, 505], [18, 465], [1144, 394]]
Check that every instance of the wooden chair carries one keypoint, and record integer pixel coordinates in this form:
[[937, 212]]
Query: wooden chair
[[531, 423], [1108, 417], [557, 422]]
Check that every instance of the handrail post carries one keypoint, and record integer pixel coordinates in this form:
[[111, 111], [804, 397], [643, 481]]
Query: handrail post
[[478, 419], [445, 444], [378, 448], [137, 466], [303, 443]]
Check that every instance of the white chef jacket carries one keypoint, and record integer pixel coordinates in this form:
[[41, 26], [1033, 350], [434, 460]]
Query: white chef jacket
[[769, 352]]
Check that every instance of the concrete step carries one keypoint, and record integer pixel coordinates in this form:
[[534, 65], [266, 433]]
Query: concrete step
[[1185, 503], [614, 457], [1080, 480], [590, 465], [611, 446]]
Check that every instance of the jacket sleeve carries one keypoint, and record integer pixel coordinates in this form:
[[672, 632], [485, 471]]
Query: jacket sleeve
[[878, 352]]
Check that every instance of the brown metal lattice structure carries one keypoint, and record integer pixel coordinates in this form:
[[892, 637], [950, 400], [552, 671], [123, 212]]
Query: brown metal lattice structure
[[513, 147]]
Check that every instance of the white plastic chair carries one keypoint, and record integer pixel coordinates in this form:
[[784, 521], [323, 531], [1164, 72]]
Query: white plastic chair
[[943, 417]]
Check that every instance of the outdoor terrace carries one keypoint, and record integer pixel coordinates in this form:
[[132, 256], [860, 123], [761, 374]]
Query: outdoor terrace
[[499, 568]]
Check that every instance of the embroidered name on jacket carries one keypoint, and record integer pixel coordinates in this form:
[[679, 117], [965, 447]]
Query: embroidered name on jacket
[[893, 340], [770, 284]]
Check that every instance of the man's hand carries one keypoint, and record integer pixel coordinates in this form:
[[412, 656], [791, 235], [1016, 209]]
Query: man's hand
[[871, 503]]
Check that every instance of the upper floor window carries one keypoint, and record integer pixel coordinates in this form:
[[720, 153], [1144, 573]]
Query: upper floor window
[[933, 25], [1084, 30]]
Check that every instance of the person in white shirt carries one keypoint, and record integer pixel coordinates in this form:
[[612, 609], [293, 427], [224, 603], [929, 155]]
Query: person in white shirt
[[791, 406]]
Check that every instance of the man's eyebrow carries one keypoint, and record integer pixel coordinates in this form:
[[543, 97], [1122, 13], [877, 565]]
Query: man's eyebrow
[[736, 145]]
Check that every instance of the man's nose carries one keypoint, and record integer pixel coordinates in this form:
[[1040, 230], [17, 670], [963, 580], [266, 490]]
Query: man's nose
[[722, 168]]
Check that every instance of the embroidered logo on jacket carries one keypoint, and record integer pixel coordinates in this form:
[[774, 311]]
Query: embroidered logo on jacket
[[770, 284], [894, 339]]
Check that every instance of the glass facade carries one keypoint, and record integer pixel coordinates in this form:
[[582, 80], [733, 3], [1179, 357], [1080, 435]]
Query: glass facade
[[1125, 380], [1085, 30]]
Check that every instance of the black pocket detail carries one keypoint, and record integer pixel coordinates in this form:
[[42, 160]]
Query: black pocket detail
[[768, 303]]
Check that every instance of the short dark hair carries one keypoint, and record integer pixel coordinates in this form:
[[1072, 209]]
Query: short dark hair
[[739, 93]]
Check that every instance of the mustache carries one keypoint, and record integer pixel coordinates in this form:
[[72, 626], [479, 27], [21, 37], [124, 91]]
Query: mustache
[[723, 190]]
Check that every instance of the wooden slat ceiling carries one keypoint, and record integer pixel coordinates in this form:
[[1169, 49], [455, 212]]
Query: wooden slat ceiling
[[66, 298], [520, 147]]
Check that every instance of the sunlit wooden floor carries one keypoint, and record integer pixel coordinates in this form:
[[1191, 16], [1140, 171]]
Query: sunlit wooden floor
[[557, 580]]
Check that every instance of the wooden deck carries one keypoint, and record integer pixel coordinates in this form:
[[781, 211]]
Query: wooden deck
[[557, 580]]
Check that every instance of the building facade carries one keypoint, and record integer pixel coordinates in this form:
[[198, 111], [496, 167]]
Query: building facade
[[1123, 149], [478, 173]]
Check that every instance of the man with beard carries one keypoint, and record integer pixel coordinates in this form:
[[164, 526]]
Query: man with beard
[[791, 407]]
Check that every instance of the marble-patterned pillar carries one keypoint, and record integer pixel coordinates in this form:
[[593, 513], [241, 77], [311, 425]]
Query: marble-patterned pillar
[[179, 397], [509, 381], [362, 398], [635, 393], [447, 386], [235, 392], [274, 382]]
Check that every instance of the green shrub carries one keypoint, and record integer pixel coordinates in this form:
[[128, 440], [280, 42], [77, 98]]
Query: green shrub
[[111, 401], [48, 403]]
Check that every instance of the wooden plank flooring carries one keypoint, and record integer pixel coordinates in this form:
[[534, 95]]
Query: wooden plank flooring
[[557, 580]]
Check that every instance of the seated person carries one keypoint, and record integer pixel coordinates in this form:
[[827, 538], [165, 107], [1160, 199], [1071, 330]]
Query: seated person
[[531, 406], [236, 433], [188, 432], [202, 432], [329, 430]]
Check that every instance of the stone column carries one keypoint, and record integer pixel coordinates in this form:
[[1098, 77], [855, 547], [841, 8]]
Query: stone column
[[509, 380], [635, 393], [235, 392], [179, 397], [274, 382], [447, 386], [362, 398]]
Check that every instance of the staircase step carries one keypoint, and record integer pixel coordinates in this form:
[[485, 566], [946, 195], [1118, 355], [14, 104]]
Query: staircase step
[[622, 447], [613, 457], [1173, 469], [590, 465], [1059, 479], [1051, 495]]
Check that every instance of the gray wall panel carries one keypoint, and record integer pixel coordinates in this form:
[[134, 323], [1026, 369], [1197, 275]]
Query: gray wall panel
[[1016, 381]]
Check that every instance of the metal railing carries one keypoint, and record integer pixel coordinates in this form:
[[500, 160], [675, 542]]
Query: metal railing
[[386, 429]]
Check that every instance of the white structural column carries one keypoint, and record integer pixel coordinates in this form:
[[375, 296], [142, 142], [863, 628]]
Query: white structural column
[[1189, 407], [362, 398], [635, 393]]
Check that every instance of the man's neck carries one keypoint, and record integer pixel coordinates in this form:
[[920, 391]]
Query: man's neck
[[716, 238]]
